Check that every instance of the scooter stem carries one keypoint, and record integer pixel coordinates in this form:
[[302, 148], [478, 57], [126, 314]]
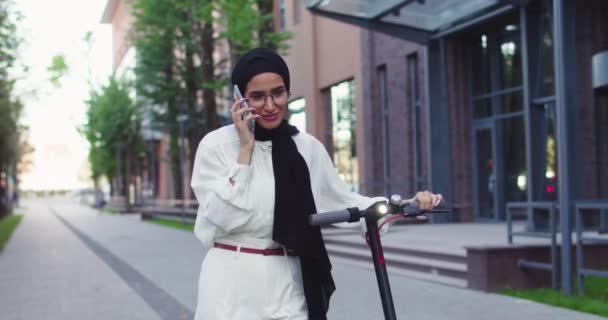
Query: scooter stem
[[375, 245]]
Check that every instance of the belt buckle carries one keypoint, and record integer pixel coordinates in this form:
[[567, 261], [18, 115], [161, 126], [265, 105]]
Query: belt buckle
[[266, 252]]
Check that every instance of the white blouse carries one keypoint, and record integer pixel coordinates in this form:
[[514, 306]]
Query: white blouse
[[237, 201]]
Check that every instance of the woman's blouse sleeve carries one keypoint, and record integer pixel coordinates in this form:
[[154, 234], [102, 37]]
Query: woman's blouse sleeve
[[335, 194], [221, 187]]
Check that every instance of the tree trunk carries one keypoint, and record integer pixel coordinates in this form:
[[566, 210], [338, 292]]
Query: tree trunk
[[266, 7], [3, 204], [172, 112], [194, 129], [207, 45], [176, 166], [128, 175]]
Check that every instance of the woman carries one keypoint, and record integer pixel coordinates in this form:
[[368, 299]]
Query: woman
[[256, 191]]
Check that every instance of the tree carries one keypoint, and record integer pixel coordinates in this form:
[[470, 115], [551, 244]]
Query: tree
[[10, 106], [177, 71], [57, 69], [161, 75], [112, 128], [248, 24]]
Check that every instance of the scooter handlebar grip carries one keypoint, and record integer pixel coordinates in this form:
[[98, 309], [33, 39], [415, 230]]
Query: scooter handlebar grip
[[331, 217], [415, 205]]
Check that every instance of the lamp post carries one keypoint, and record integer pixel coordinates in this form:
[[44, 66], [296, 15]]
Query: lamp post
[[118, 146], [181, 119], [152, 162], [150, 181]]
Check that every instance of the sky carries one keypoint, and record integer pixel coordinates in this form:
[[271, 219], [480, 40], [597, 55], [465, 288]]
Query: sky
[[54, 114]]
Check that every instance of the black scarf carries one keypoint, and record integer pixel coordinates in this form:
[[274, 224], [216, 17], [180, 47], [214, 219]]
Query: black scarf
[[294, 202]]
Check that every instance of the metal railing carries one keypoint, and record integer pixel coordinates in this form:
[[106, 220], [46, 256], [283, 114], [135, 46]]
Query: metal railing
[[582, 239], [529, 207]]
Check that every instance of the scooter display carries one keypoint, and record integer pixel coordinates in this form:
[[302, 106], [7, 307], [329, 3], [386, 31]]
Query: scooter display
[[390, 210]]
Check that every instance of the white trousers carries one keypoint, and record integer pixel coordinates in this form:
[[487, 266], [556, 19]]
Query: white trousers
[[244, 286]]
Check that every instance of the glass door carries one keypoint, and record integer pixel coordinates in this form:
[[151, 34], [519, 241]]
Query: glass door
[[484, 180]]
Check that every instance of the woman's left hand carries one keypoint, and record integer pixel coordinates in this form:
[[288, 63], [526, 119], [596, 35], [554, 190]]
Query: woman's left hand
[[426, 200]]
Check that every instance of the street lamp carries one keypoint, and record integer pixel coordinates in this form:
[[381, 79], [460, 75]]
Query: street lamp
[[181, 119], [118, 146], [149, 136]]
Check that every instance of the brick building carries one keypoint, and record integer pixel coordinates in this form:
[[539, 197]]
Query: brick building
[[459, 97]]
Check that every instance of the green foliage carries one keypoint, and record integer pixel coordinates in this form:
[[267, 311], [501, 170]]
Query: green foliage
[[177, 42], [11, 107], [110, 211], [241, 21], [169, 32], [88, 38], [7, 226], [597, 288], [9, 42], [246, 26], [188, 226], [57, 70], [113, 123], [594, 301], [11, 110]]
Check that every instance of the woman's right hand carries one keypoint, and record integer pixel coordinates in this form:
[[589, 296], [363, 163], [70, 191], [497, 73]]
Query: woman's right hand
[[245, 135]]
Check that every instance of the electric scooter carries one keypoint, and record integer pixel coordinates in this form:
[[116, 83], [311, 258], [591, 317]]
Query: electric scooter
[[372, 215]]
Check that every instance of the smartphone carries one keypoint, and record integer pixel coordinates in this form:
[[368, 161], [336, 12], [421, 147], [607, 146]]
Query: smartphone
[[238, 96]]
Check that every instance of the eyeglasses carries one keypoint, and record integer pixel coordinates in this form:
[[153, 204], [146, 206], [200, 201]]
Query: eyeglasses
[[258, 100]]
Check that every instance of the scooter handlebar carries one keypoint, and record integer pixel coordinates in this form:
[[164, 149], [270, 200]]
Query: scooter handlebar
[[348, 215], [415, 206], [409, 209]]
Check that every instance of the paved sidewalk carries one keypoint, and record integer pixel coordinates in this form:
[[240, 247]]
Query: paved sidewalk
[[77, 263], [46, 272]]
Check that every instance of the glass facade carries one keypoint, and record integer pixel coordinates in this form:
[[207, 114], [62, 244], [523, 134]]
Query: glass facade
[[343, 130], [543, 105], [497, 72], [549, 185], [497, 104], [485, 177], [545, 85], [513, 143]]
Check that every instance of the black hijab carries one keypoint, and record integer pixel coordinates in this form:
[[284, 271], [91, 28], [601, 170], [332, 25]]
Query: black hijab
[[294, 200]]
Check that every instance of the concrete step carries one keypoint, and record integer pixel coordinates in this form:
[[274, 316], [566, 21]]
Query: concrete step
[[433, 266], [397, 271], [445, 268], [359, 243]]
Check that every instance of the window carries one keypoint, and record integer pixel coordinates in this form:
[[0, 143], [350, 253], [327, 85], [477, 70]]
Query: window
[[297, 11], [549, 187], [497, 112], [544, 83], [297, 113], [513, 140], [385, 132], [343, 130], [497, 72], [282, 15]]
